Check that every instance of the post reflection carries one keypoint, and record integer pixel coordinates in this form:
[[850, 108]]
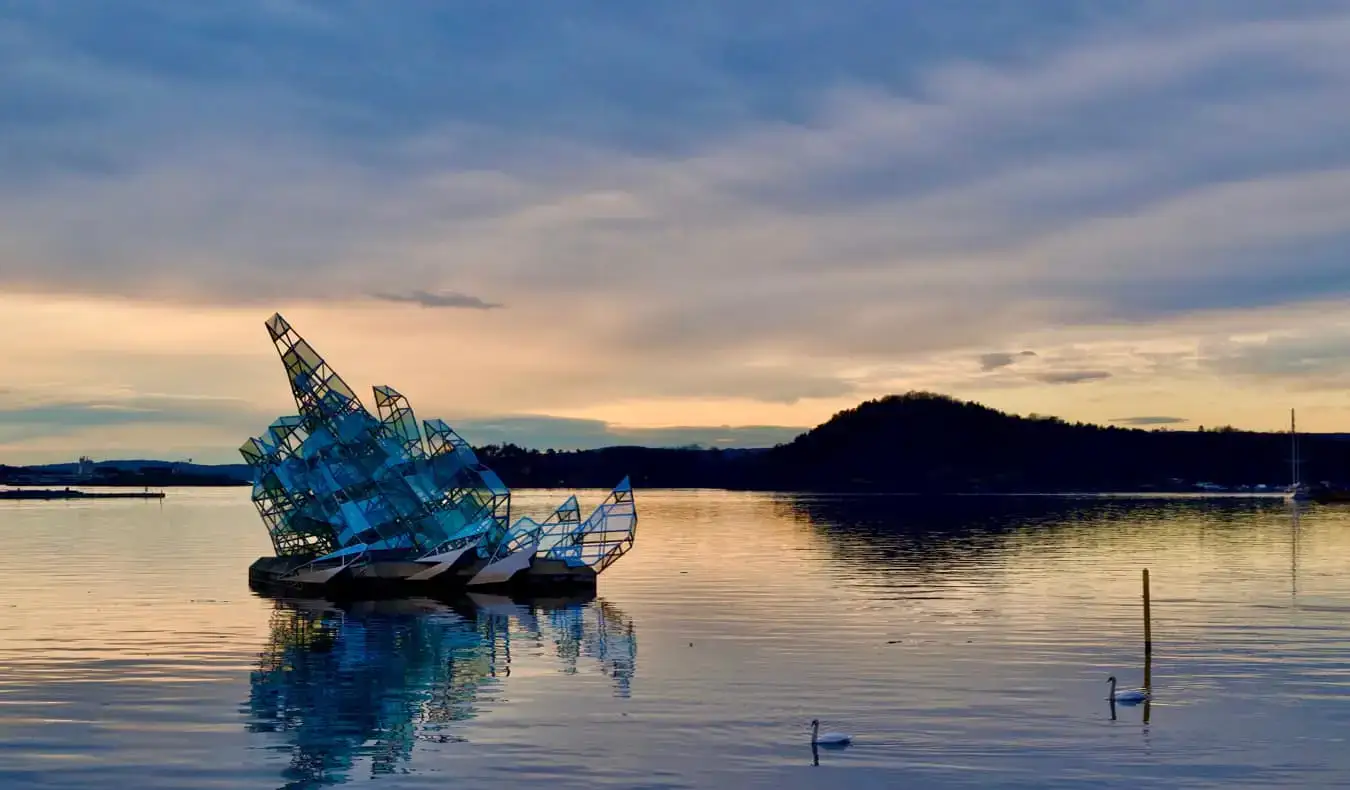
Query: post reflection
[[1293, 552], [343, 686]]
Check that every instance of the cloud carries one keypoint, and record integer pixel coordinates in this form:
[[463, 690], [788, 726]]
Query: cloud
[[1072, 376], [1313, 356], [47, 420], [1145, 421], [23, 408], [26, 418], [1001, 359], [543, 432], [913, 183], [441, 299], [948, 147]]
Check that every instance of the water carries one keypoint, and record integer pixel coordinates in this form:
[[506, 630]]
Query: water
[[963, 643]]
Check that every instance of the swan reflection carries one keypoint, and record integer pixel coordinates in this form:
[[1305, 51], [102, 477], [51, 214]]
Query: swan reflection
[[339, 685]]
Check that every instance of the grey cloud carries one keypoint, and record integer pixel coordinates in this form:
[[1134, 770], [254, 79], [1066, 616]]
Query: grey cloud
[[308, 66], [439, 299], [1145, 421], [138, 408], [35, 419], [1318, 357], [1072, 376], [23, 423], [559, 433], [995, 360], [1001, 359]]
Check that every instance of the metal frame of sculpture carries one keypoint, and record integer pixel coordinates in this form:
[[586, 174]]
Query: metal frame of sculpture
[[337, 486]]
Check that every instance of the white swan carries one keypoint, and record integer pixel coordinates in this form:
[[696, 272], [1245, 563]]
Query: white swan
[[829, 738], [1125, 697]]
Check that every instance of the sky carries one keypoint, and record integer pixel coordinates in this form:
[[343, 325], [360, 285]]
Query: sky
[[582, 223]]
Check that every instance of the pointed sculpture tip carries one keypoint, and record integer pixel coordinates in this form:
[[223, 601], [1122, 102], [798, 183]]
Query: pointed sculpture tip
[[277, 326]]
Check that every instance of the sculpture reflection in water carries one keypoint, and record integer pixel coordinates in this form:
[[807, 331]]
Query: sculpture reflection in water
[[365, 682], [595, 632]]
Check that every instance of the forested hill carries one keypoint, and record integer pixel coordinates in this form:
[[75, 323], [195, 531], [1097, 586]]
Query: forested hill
[[925, 442], [921, 442]]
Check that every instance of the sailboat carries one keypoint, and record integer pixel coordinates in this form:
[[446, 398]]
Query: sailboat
[[1303, 492], [1297, 492]]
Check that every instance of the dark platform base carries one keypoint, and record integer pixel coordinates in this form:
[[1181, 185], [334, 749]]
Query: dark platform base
[[465, 604], [380, 580]]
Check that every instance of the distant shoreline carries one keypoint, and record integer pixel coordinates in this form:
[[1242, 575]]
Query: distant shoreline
[[917, 443], [100, 484], [44, 494], [15, 489]]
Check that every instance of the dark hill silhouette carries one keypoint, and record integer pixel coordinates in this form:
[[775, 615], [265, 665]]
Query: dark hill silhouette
[[927, 442]]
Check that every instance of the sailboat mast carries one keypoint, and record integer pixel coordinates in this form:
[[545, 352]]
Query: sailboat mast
[[1293, 441]]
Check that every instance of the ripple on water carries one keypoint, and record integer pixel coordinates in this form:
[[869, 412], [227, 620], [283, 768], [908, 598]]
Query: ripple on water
[[964, 642]]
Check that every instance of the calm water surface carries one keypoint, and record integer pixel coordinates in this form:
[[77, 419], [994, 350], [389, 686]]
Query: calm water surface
[[963, 642]]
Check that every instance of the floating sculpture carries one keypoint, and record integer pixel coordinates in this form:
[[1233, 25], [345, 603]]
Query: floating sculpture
[[350, 496]]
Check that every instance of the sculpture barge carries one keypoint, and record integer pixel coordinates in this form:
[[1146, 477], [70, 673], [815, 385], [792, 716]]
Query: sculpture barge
[[359, 503]]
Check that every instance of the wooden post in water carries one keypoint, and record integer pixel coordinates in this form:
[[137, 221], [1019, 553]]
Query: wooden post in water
[[1148, 635]]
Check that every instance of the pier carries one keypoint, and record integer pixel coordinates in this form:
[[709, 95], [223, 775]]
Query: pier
[[72, 493]]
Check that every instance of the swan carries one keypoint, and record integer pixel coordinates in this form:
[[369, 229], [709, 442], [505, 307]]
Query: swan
[[1125, 697], [829, 738]]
